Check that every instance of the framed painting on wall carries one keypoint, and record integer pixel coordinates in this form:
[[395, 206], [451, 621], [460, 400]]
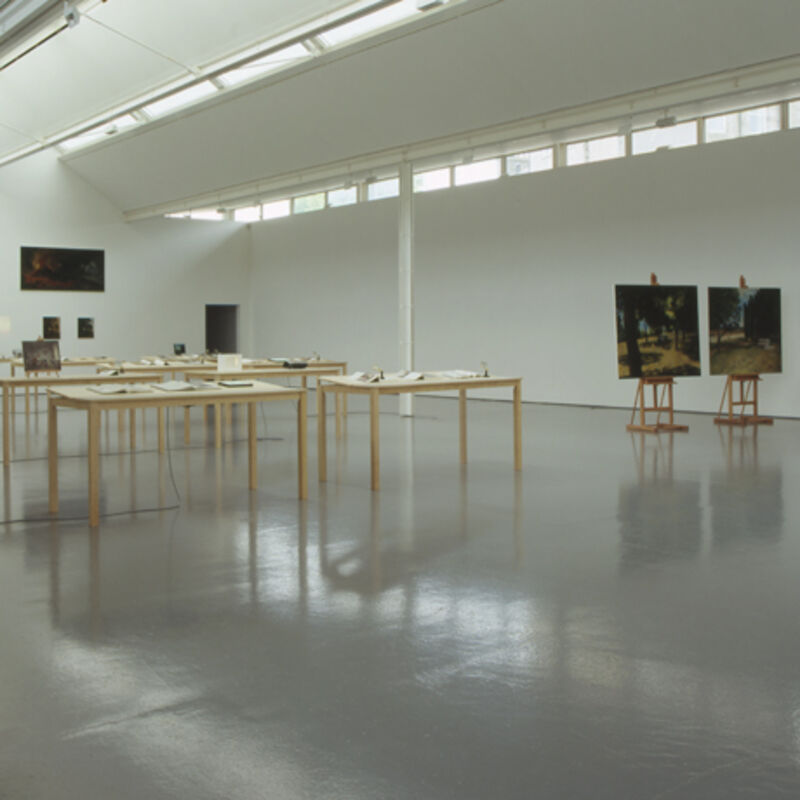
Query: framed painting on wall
[[744, 330], [51, 327], [657, 331], [62, 269], [86, 327]]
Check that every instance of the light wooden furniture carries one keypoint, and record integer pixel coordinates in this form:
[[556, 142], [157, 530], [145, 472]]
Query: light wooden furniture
[[662, 404], [313, 363], [277, 372], [10, 385], [747, 398], [82, 398], [77, 361], [172, 368], [431, 383]]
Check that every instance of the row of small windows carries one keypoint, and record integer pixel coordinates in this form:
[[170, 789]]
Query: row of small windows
[[667, 135]]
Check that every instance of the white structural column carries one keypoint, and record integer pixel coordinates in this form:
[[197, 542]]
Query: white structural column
[[405, 274]]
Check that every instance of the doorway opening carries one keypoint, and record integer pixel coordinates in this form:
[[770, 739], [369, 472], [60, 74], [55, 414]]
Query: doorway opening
[[222, 322]]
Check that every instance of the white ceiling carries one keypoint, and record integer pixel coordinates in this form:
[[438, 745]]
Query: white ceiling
[[123, 48], [508, 60]]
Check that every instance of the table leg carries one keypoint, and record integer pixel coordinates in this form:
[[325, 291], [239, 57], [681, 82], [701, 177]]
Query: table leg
[[517, 426], [252, 444], [27, 401], [161, 436], [302, 446], [187, 434], [322, 444], [120, 421], [462, 424], [218, 425], [52, 454], [6, 427], [374, 443], [339, 398], [94, 467], [132, 423]]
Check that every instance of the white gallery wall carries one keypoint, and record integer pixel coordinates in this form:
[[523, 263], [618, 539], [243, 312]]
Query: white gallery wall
[[159, 273], [327, 282], [519, 272]]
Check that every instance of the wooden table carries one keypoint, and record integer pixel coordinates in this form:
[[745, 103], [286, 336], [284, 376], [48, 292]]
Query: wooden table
[[77, 361], [276, 372], [84, 399], [313, 363], [431, 383], [9, 387]]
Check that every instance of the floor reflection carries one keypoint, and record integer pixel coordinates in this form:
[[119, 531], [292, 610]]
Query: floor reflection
[[660, 518]]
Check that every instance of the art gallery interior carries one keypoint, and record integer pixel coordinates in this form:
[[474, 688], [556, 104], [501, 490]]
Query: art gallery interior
[[464, 181]]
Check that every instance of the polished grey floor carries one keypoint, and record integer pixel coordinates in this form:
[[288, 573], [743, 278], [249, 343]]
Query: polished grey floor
[[619, 620]]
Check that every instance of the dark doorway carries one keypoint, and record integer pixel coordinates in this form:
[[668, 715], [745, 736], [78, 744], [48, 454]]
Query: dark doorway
[[221, 329]]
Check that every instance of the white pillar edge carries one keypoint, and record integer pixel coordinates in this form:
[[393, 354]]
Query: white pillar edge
[[405, 281]]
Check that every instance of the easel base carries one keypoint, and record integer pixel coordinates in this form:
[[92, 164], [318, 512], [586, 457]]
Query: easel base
[[743, 421], [658, 427]]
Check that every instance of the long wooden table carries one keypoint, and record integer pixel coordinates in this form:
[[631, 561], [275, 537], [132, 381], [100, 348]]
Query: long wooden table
[[431, 383], [276, 372], [10, 385], [82, 398]]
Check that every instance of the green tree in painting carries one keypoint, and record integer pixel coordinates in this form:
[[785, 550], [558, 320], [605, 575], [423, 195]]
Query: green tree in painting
[[723, 310]]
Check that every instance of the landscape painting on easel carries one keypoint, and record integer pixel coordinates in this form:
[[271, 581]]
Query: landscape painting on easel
[[744, 330], [657, 331]]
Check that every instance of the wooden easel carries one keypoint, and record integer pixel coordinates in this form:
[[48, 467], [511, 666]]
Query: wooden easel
[[662, 404], [748, 398]]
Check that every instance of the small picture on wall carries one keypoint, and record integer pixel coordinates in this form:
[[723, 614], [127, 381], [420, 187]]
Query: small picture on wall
[[86, 327], [62, 269], [744, 330], [41, 356], [657, 331], [51, 327]]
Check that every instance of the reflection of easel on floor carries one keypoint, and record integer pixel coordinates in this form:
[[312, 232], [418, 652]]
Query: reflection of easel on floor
[[748, 398], [660, 457], [662, 404]]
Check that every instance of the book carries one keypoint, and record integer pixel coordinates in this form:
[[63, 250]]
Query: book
[[459, 374], [174, 386], [119, 388], [235, 383]]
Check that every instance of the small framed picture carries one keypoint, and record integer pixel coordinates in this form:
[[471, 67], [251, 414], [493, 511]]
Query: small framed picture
[[51, 327], [86, 327]]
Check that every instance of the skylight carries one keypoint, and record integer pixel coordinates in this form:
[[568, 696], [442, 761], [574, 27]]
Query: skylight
[[370, 22], [263, 66], [180, 99], [117, 125]]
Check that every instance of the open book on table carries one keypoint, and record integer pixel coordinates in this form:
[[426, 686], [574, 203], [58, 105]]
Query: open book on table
[[120, 388]]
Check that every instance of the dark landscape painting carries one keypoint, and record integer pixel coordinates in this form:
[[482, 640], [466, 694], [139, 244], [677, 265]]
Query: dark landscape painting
[[41, 356], [744, 330], [86, 327], [657, 331], [62, 269], [51, 327]]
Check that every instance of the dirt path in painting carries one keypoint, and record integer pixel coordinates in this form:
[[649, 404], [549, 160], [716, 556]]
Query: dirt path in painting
[[657, 360], [742, 359]]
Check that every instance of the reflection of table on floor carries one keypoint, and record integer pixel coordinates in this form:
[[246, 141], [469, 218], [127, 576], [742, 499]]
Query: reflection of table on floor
[[84, 399], [431, 383], [9, 386], [273, 372]]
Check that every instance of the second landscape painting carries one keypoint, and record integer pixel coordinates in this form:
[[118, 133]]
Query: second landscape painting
[[657, 331], [744, 330]]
